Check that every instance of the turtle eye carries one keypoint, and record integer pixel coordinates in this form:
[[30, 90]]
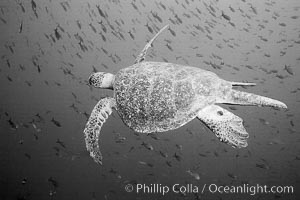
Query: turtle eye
[[220, 113]]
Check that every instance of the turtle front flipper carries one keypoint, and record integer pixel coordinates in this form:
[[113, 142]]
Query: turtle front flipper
[[142, 55], [92, 128], [226, 126]]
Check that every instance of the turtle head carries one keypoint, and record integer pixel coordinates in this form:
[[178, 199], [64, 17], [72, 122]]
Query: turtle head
[[102, 80]]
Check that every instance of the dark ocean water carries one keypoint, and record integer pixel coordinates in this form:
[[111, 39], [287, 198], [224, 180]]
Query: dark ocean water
[[49, 48]]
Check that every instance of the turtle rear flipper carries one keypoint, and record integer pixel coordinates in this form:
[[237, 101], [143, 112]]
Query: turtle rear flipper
[[92, 129], [226, 126], [142, 55], [245, 98]]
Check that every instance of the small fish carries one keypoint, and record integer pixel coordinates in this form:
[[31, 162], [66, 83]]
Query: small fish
[[27, 156], [113, 58], [63, 5], [61, 143], [57, 151], [94, 69], [74, 108], [131, 35], [148, 146], [38, 68], [93, 28], [60, 28], [35, 127], [104, 65], [36, 137], [232, 176], [74, 95], [162, 5], [102, 26], [262, 166], [21, 27], [57, 34], [178, 19], [53, 182], [3, 20], [104, 50], [28, 83], [153, 136], [225, 16], [33, 6], [22, 7], [145, 163], [216, 154], [282, 24], [40, 118], [149, 28], [189, 131], [202, 155], [86, 115], [194, 174], [8, 63], [280, 76], [103, 37], [112, 171], [172, 21], [254, 10], [212, 8], [55, 122], [165, 155], [121, 35], [172, 31], [118, 57], [25, 125], [78, 24], [131, 148], [101, 13], [9, 78], [155, 15], [169, 163], [169, 47], [179, 146], [178, 157], [209, 37], [119, 138], [134, 6], [12, 124], [289, 69], [24, 181]]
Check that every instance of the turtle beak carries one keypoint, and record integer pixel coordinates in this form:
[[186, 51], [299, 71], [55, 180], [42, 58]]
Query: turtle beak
[[91, 81]]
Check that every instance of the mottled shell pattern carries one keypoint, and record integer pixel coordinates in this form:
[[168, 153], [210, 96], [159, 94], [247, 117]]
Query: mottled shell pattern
[[157, 96]]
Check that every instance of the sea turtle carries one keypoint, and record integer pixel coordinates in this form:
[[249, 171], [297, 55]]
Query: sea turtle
[[159, 96]]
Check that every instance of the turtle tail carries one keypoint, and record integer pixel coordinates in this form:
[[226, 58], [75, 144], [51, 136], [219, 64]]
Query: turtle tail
[[245, 98]]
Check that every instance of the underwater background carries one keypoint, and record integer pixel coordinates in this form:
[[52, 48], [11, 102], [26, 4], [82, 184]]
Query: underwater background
[[48, 49]]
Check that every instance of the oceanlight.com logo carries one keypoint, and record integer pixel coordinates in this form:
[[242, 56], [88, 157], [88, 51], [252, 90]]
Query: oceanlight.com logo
[[210, 188]]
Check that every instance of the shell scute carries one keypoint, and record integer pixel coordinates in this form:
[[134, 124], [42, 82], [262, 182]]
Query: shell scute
[[182, 74], [161, 100], [183, 95]]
